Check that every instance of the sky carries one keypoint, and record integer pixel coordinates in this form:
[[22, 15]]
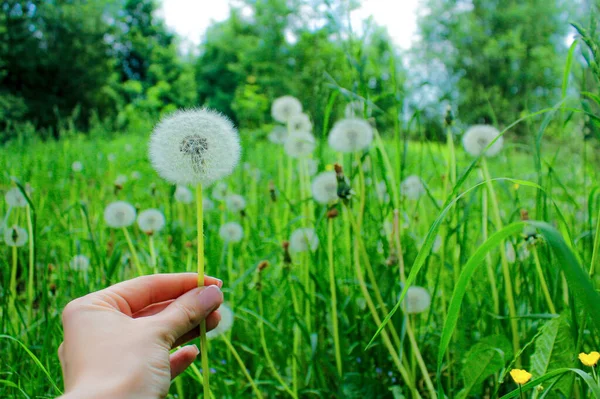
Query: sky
[[190, 18]]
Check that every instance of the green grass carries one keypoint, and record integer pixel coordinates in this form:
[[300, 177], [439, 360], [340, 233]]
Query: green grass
[[479, 348]]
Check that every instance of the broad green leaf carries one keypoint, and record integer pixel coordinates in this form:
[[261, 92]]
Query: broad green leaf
[[554, 349]]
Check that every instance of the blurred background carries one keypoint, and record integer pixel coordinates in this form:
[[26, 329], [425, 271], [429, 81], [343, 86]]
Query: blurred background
[[110, 66]]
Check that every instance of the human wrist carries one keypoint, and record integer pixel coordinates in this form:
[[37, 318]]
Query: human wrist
[[100, 391]]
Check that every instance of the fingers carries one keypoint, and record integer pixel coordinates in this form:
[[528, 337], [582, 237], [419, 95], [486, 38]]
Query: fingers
[[147, 290], [187, 311], [212, 321], [153, 309], [182, 359]]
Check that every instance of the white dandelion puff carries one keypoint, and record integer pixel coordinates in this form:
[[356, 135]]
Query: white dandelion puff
[[80, 263], [509, 251], [15, 198], [478, 137], [226, 323], [231, 232], [135, 175], [355, 109], [304, 240], [219, 191], [278, 135], [412, 187], [77, 166], [312, 166], [207, 204], [300, 123], [350, 135], [120, 180], [15, 236], [151, 221], [183, 194], [284, 108], [382, 192], [300, 144], [417, 300], [235, 202], [194, 147], [324, 187], [119, 214]]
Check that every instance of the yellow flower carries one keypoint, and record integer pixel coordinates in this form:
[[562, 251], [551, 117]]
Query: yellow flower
[[516, 186], [590, 360], [329, 167], [520, 376]]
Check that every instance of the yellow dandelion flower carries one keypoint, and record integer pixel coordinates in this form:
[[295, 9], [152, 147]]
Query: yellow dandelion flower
[[520, 376], [516, 186], [590, 360], [329, 167]]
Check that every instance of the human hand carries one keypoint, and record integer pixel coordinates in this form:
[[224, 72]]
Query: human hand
[[118, 340]]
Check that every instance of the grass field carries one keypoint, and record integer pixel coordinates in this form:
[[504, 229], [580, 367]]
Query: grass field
[[504, 293]]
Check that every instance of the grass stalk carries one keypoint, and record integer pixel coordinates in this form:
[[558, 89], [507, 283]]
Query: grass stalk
[[332, 288], [242, 366], [134, 256], [538, 267]]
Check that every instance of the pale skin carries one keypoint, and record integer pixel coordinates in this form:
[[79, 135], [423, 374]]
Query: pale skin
[[118, 341]]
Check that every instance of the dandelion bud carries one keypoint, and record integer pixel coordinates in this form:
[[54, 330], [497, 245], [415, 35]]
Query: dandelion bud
[[188, 244], [449, 117], [263, 265], [344, 191], [194, 147], [169, 240], [287, 259], [332, 213], [52, 288], [272, 192], [153, 189]]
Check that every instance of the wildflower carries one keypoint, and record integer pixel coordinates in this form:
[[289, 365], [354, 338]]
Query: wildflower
[[417, 300], [303, 240], [231, 232], [194, 147], [220, 190], [278, 135], [324, 188], [299, 144], [300, 123], [226, 323], [520, 376], [15, 198], [15, 236], [590, 360], [77, 166], [412, 187], [151, 221], [284, 108], [119, 214], [235, 203], [350, 135], [80, 263], [478, 137], [183, 194]]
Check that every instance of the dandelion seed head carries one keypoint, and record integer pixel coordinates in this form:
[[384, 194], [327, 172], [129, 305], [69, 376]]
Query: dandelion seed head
[[183, 194], [15, 236], [80, 263], [235, 203], [509, 251], [300, 123], [77, 166], [220, 190], [207, 204], [284, 108], [412, 187], [15, 198], [231, 232], [303, 240], [226, 323], [478, 137], [151, 221], [278, 135], [382, 192], [350, 135], [417, 300], [119, 214], [324, 188], [120, 180], [354, 109], [312, 166], [299, 144], [197, 146]]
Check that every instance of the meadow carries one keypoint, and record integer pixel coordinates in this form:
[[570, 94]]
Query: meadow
[[489, 262]]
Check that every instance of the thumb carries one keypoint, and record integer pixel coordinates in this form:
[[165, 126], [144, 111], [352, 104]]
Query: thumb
[[187, 311]]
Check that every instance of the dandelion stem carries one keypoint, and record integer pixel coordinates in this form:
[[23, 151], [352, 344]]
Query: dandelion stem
[[136, 260], [152, 254], [334, 317], [540, 272], [203, 341], [13, 278], [596, 245], [488, 259], [242, 366], [505, 267], [31, 263]]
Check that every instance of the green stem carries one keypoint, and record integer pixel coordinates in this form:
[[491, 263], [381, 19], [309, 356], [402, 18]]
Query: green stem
[[13, 278], [31, 263], [203, 341], [136, 260], [512, 310], [596, 245], [334, 316], [488, 258], [545, 290], [153, 255], [242, 366]]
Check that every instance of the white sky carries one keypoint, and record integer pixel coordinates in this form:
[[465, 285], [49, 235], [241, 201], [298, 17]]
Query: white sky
[[190, 18]]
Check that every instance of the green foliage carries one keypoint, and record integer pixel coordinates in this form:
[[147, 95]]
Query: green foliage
[[554, 349]]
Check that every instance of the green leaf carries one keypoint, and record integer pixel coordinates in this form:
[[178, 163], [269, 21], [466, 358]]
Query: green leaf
[[594, 388], [554, 349], [568, 66]]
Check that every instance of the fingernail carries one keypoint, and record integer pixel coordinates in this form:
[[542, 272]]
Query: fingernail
[[212, 296], [220, 283], [197, 349]]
